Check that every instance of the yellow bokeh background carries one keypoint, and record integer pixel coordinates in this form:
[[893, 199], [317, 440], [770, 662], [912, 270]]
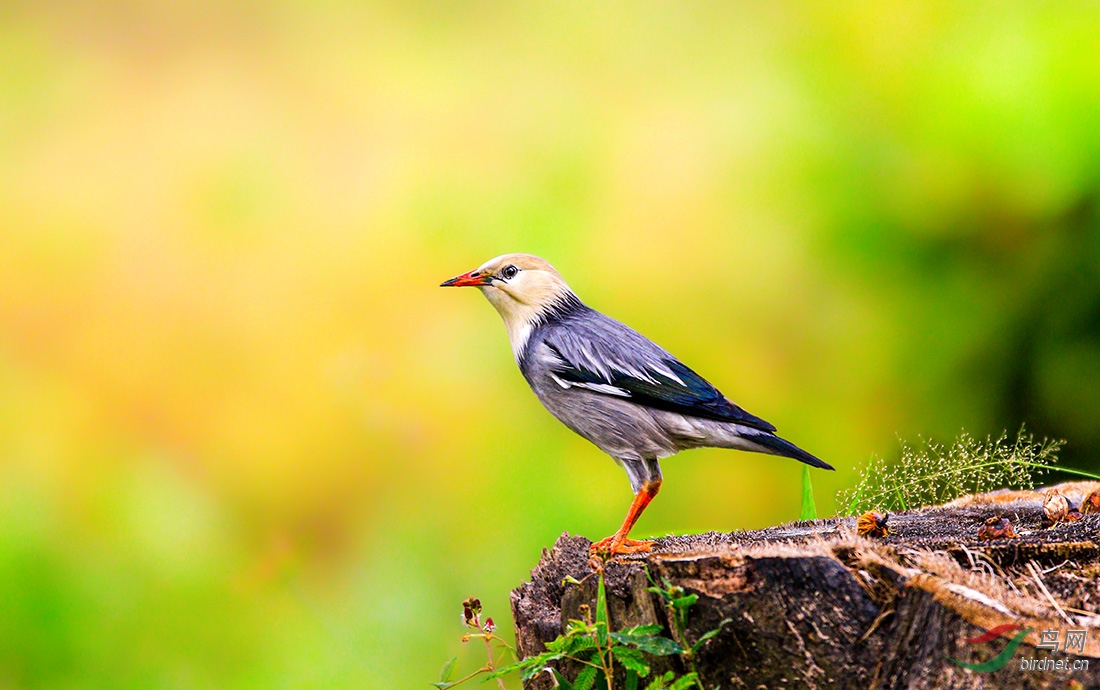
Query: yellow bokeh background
[[246, 441]]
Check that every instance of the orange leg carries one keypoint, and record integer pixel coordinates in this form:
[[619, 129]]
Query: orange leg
[[618, 544]]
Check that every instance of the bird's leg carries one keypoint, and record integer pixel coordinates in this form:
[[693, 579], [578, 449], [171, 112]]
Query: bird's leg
[[618, 544]]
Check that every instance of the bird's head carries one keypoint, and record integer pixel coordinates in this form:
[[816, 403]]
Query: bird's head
[[522, 287]]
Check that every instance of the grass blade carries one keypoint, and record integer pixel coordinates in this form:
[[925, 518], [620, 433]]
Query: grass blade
[[809, 508]]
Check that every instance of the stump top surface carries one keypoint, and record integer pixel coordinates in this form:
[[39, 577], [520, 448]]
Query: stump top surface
[[953, 524]]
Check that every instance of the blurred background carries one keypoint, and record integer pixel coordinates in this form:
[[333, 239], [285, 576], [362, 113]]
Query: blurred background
[[245, 441]]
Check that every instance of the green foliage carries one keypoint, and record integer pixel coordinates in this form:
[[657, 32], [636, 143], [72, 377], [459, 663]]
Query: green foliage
[[929, 473], [644, 638], [678, 602], [809, 508], [601, 652], [446, 673], [669, 681]]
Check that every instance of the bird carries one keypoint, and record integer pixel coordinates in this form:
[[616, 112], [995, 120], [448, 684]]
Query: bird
[[612, 385]]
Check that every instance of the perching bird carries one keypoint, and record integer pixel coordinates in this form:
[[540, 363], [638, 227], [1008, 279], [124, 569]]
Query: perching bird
[[612, 385]]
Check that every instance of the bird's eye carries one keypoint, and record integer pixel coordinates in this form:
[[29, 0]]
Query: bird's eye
[[509, 272]]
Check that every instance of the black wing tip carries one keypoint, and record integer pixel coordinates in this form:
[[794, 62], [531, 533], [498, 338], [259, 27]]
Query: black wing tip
[[812, 461], [781, 446], [820, 464]]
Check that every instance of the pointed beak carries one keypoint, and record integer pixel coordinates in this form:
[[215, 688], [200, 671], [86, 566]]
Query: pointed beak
[[471, 279]]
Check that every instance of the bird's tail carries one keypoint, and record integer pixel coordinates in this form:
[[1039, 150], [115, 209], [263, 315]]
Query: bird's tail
[[779, 446]]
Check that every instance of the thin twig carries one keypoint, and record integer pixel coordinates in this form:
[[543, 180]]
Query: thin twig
[[1039, 582], [1052, 569], [1002, 574], [875, 623]]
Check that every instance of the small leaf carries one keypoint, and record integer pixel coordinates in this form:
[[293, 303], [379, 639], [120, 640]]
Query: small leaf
[[661, 682], [709, 634], [576, 626], [663, 593], [447, 670], [642, 630], [563, 684], [631, 659], [684, 682], [583, 645], [531, 672], [442, 685], [569, 580], [685, 601], [651, 644], [528, 668], [572, 645], [586, 678]]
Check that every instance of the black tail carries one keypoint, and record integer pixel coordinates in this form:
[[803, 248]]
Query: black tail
[[783, 447]]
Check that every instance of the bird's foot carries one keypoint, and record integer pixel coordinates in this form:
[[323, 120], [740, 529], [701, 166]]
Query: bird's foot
[[611, 547]]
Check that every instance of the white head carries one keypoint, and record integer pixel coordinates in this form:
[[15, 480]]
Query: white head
[[522, 287]]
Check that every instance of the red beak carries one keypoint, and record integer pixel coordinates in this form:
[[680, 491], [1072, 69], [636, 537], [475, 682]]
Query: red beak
[[473, 278]]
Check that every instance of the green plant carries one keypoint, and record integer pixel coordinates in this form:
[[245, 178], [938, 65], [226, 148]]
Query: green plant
[[471, 616], [678, 602], [929, 473], [809, 507], [601, 653]]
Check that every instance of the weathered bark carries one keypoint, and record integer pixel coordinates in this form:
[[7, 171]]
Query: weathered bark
[[812, 605]]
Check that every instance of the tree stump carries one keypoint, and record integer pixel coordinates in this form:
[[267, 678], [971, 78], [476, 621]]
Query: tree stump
[[814, 605]]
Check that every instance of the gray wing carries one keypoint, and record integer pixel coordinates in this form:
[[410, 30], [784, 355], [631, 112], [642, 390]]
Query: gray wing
[[598, 353]]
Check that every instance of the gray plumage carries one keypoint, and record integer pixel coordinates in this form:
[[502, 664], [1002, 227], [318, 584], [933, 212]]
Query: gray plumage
[[630, 397]]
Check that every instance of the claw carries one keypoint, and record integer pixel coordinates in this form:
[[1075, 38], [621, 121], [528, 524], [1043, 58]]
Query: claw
[[612, 548]]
